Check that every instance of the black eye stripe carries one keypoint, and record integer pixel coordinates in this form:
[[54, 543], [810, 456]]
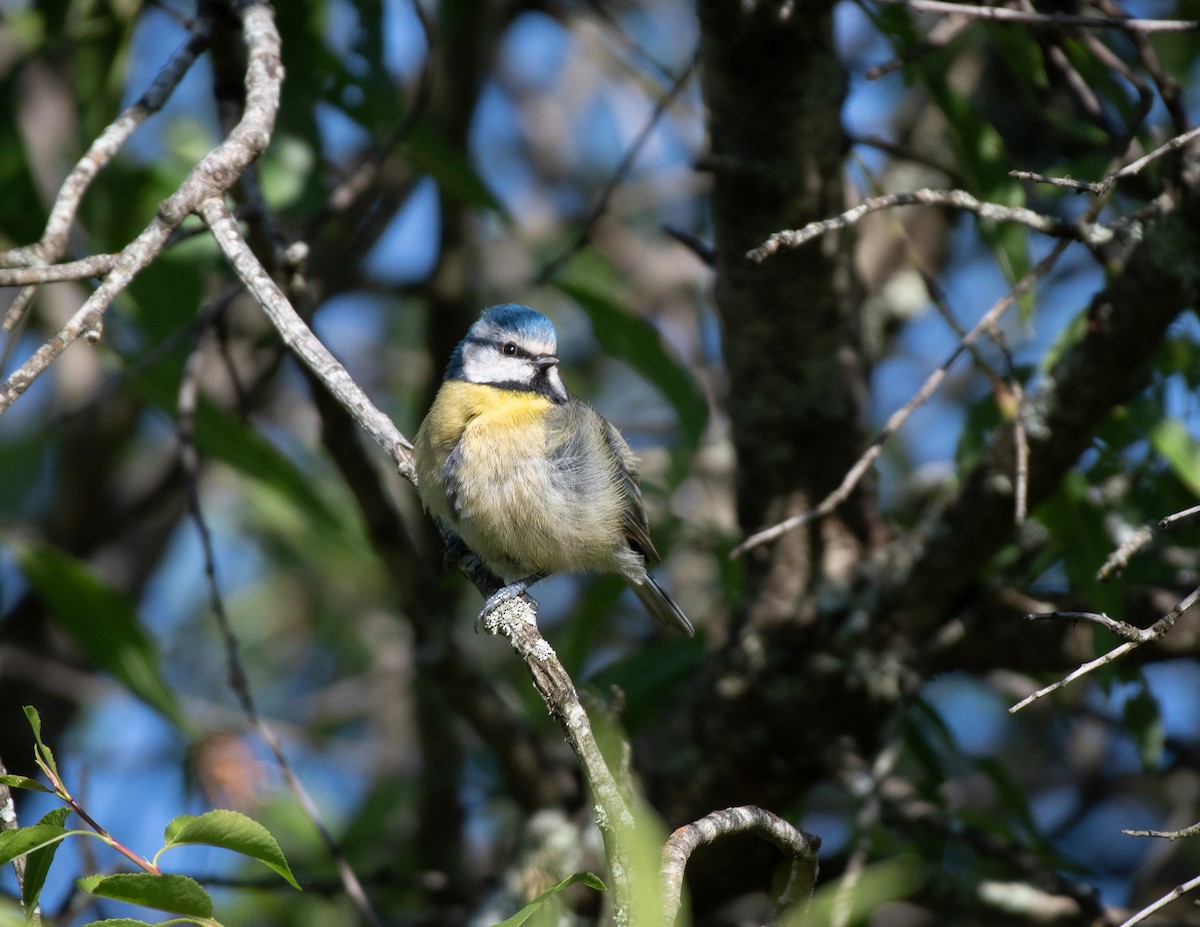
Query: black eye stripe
[[512, 349]]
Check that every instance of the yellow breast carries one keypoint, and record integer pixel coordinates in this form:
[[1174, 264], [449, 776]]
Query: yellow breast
[[526, 489], [501, 423]]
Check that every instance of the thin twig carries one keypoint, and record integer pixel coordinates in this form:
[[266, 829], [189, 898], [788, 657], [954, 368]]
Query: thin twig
[[95, 265], [1122, 629], [1021, 439], [1119, 558], [1005, 14], [1177, 892], [1134, 637], [802, 848], [1172, 520], [928, 388], [618, 176], [1086, 232], [238, 681], [62, 214], [1192, 831], [216, 172], [1103, 186], [300, 338]]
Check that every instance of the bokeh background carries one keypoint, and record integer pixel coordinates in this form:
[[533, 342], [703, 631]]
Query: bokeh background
[[559, 154]]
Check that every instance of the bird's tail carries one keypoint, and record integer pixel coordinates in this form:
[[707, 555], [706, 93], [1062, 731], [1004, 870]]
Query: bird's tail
[[662, 607]]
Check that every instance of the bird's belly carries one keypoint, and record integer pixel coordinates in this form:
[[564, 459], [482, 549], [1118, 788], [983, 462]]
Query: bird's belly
[[514, 508]]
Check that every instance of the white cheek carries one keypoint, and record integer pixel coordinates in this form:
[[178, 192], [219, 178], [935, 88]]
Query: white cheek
[[494, 368]]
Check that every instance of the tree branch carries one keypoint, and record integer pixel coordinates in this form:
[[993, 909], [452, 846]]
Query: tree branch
[[861, 466], [1007, 14], [300, 339], [1107, 366], [516, 620], [1177, 892], [1171, 835], [1134, 637], [211, 177], [799, 846], [1089, 233]]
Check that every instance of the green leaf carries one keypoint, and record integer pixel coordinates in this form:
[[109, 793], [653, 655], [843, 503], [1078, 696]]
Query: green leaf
[[15, 843], [23, 782], [585, 878], [118, 922], [42, 752], [229, 830], [104, 623], [889, 880], [10, 914], [37, 862], [1171, 439], [177, 894], [590, 283]]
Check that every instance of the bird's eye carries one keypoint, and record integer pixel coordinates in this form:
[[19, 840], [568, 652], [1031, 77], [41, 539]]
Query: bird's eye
[[509, 349]]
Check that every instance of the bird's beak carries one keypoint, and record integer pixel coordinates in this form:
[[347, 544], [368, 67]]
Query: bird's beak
[[544, 362]]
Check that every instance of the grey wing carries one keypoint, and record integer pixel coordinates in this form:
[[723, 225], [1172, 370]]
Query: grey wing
[[635, 523]]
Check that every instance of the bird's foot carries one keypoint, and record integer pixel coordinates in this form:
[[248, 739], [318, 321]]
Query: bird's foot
[[504, 594]]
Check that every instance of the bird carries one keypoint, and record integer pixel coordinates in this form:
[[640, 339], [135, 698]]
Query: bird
[[532, 480]]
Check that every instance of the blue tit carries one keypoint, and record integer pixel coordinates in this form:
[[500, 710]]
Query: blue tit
[[532, 480]]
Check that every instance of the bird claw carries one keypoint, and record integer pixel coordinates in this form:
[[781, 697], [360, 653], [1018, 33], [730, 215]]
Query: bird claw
[[500, 596]]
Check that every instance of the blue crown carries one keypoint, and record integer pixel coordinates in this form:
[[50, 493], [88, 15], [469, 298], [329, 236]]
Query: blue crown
[[519, 320]]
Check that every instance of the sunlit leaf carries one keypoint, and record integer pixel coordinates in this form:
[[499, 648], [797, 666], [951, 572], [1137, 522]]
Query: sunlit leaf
[[118, 922], [578, 878], [104, 623], [177, 894], [1170, 438], [229, 830], [15, 843], [37, 862], [23, 782], [45, 754]]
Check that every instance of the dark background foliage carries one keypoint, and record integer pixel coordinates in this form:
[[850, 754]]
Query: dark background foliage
[[612, 164]]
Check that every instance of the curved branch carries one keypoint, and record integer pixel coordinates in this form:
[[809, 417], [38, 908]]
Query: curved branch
[[801, 847]]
